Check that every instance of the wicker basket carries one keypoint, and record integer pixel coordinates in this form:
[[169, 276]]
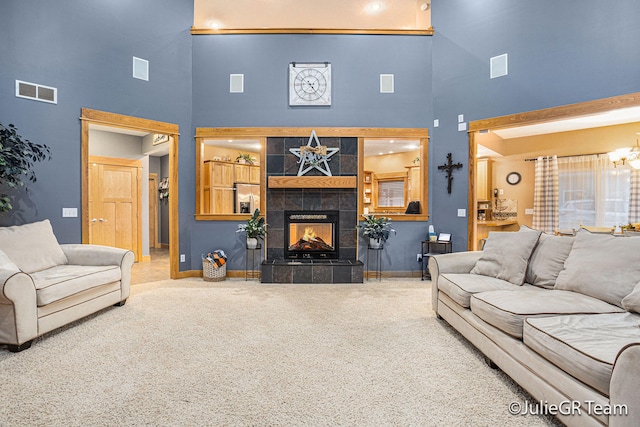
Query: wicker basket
[[212, 274]]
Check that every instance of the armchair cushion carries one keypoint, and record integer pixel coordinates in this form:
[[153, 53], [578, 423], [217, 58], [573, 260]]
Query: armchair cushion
[[7, 264], [32, 247]]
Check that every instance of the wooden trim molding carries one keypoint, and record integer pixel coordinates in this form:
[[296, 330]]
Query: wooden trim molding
[[557, 113], [312, 182], [209, 31], [306, 131], [89, 116]]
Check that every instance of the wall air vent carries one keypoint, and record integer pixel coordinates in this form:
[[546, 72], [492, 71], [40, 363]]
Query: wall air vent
[[499, 66], [36, 92], [140, 69]]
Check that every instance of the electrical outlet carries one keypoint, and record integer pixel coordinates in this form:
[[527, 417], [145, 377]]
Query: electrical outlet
[[183, 258], [528, 211], [419, 257], [502, 192]]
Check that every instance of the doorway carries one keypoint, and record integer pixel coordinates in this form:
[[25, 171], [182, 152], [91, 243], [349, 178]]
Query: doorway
[[123, 123]]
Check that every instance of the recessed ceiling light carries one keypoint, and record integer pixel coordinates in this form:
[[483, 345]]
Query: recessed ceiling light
[[381, 153], [376, 6], [229, 140], [391, 141], [390, 152]]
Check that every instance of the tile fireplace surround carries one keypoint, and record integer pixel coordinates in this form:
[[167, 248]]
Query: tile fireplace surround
[[281, 162]]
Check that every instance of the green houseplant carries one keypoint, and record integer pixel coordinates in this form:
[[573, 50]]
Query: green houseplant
[[377, 229], [17, 157], [244, 158], [255, 228]]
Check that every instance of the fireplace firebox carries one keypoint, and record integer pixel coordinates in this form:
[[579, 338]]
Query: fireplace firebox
[[311, 234]]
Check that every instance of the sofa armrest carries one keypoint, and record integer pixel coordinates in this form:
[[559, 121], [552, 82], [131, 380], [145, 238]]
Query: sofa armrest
[[18, 308], [625, 386], [85, 254], [457, 262]]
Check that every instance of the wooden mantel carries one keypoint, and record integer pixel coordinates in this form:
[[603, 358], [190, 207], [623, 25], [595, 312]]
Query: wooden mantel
[[312, 182]]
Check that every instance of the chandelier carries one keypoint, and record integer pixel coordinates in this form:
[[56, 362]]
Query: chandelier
[[626, 155]]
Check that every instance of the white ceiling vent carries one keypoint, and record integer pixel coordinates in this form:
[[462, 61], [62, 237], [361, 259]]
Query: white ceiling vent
[[140, 69], [499, 66], [386, 83], [36, 92]]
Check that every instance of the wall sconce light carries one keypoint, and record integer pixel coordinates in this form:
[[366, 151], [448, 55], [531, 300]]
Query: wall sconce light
[[627, 155]]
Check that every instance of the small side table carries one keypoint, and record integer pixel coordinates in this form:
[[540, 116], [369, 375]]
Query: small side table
[[429, 248], [249, 271], [377, 273]]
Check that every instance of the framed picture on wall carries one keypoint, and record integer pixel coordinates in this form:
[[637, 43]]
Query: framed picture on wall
[[160, 138]]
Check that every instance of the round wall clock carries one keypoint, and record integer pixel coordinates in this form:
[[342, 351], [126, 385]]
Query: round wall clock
[[309, 84], [513, 178]]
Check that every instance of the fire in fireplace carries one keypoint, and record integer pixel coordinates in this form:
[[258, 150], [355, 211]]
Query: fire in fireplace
[[311, 234]]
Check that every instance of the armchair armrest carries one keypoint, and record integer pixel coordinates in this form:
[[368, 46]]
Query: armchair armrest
[[457, 262], [625, 386], [84, 254], [18, 308]]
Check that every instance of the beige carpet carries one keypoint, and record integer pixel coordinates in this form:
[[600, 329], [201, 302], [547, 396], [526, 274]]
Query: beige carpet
[[240, 353]]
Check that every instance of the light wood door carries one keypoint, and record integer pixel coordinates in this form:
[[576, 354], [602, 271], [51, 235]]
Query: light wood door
[[255, 175], [114, 203], [153, 211], [221, 174], [242, 173], [483, 167]]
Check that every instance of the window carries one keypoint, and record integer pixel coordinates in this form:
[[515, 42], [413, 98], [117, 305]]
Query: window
[[592, 192], [230, 176], [393, 175]]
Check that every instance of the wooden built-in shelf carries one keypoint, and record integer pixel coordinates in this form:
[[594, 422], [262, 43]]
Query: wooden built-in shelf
[[312, 182]]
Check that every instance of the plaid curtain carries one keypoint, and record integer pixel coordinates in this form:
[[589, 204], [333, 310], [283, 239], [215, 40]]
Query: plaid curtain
[[634, 197], [545, 195]]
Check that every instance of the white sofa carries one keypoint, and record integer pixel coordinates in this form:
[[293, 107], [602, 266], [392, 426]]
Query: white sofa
[[44, 285], [557, 314]]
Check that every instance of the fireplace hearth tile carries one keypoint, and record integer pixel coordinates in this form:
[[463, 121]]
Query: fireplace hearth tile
[[311, 200], [348, 165], [275, 200], [275, 164], [276, 219], [275, 146], [322, 273], [275, 238], [348, 201], [349, 146], [302, 273], [330, 200], [282, 274]]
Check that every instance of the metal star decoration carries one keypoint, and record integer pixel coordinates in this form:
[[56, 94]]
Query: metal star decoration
[[311, 157]]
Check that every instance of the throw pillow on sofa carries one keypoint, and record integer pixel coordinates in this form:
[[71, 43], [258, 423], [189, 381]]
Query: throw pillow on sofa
[[506, 255], [32, 247], [602, 266], [547, 260], [632, 301]]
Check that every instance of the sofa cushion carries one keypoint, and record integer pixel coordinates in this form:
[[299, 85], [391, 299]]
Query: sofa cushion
[[6, 263], [585, 346], [460, 286], [547, 260], [602, 266], [62, 281], [507, 310], [632, 301], [506, 254], [32, 247]]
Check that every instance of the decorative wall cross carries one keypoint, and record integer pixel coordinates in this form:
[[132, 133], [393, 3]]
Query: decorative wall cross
[[449, 167]]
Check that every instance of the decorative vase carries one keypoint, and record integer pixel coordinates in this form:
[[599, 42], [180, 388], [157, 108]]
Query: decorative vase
[[375, 243], [252, 243]]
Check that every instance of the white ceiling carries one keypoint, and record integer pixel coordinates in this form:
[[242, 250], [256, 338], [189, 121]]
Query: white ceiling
[[609, 118], [378, 147], [235, 144]]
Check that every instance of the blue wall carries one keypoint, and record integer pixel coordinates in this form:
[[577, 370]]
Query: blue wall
[[357, 62], [85, 49], [560, 52]]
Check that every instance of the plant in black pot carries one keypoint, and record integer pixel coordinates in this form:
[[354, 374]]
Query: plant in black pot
[[377, 229], [255, 228], [17, 157]]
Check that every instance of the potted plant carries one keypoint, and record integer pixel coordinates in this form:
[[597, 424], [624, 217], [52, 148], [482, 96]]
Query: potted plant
[[255, 228], [17, 157], [244, 158], [377, 229]]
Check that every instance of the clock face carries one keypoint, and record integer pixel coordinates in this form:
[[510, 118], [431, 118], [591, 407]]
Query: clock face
[[309, 84], [513, 178]]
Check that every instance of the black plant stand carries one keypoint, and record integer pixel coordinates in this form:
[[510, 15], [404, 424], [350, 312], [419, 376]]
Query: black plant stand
[[429, 248], [377, 252], [249, 271]]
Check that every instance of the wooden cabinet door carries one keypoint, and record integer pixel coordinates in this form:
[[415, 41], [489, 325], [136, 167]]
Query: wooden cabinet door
[[483, 182], [414, 183], [221, 174], [222, 200], [243, 173], [255, 175]]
